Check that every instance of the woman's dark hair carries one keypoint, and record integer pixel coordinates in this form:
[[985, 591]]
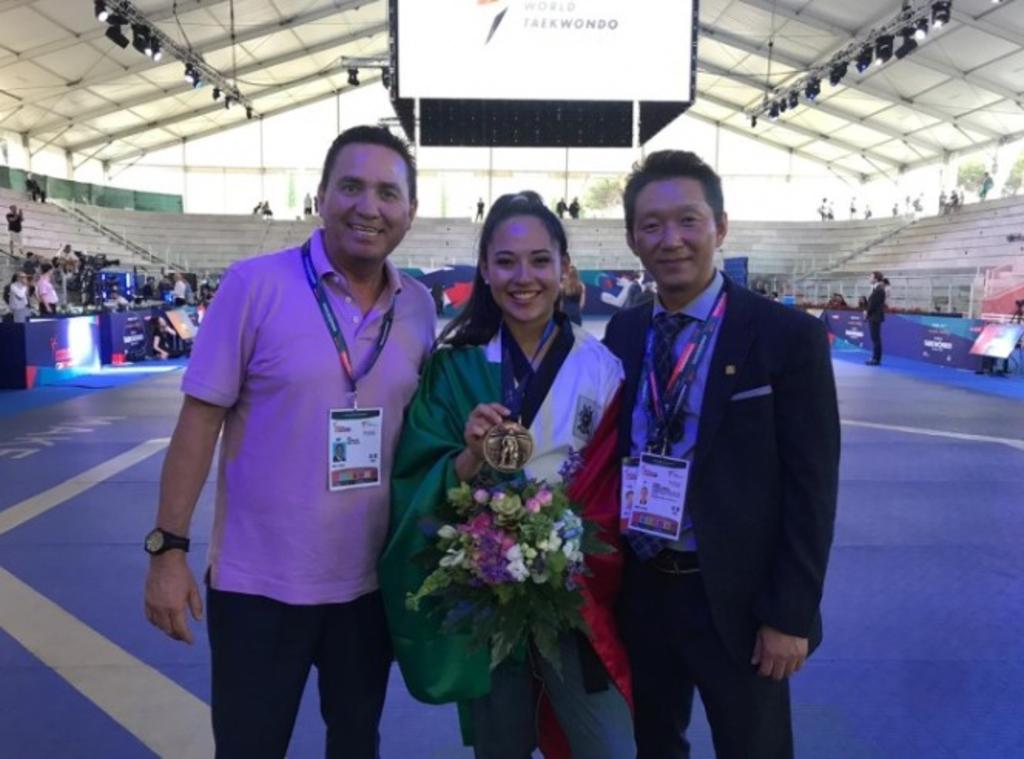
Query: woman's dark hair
[[46, 268], [478, 321]]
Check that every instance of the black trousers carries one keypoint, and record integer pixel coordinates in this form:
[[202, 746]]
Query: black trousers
[[673, 648], [262, 651], [876, 340]]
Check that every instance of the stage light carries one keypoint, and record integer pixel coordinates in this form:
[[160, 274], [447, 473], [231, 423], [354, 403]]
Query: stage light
[[921, 30], [909, 44], [940, 14], [883, 49], [156, 52], [248, 112], [102, 12], [192, 76], [794, 99], [228, 100], [115, 35], [813, 89], [353, 77], [864, 59], [753, 121], [837, 72], [216, 93], [140, 39], [773, 114], [385, 79]]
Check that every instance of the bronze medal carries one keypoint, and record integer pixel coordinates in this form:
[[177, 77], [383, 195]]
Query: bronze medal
[[508, 447]]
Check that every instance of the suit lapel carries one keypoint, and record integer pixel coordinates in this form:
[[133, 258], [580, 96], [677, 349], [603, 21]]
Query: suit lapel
[[731, 349], [632, 355]]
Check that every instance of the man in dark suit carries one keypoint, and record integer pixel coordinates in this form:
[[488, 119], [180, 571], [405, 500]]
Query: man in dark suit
[[730, 605], [874, 314]]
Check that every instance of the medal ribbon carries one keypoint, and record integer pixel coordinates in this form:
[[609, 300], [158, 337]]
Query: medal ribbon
[[334, 328], [524, 386]]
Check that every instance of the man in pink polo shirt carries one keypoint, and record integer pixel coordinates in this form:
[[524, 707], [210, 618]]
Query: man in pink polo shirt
[[306, 360]]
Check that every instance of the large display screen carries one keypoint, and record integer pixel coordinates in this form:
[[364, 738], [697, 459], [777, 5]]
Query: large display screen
[[540, 50]]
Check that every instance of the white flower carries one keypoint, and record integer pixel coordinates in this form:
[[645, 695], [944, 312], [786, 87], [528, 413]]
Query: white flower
[[453, 558], [447, 532], [540, 577], [518, 570], [515, 553], [554, 540]]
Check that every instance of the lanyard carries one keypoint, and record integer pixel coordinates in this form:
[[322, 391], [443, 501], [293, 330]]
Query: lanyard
[[516, 371], [673, 401], [335, 329]]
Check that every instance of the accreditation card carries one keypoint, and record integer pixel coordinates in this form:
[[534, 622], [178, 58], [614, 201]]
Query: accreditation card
[[660, 496], [354, 448]]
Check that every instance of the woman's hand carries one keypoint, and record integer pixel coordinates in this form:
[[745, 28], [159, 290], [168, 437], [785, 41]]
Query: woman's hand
[[481, 419]]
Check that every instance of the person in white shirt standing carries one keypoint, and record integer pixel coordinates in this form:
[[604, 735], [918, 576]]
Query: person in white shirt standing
[[19, 298]]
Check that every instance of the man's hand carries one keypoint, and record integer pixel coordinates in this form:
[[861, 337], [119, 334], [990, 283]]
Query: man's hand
[[170, 587], [778, 655]]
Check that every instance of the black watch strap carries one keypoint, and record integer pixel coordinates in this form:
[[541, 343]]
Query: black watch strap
[[160, 541]]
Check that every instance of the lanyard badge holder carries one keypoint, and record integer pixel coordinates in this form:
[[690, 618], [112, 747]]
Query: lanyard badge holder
[[354, 435], [659, 480]]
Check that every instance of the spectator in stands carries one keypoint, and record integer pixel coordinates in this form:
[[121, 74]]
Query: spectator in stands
[[561, 208], [895, 209], [574, 209], [116, 300], [831, 212], [301, 588], [867, 211], [874, 314], [65, 253], [34, 189], [853, 208], [480, 208], [257, 209], [17, 297], [267, 213], [31, 264], [918, 203], [307, 205], [45, 292], [986, 186], [15, 218], [182, 290], [730, 604], [437, 293], [943, 203], [955, 201], [823, 209], [574, 295]]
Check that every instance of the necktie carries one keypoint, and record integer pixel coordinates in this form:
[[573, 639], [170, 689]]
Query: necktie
[[666, 330]]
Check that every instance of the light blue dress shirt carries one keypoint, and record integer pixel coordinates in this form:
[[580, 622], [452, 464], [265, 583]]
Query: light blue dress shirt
[[700, 309]]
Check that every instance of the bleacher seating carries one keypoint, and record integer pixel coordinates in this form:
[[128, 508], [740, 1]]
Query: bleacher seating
[[933, 262], [48, 227]]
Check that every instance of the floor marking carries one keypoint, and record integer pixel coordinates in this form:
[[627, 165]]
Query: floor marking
[[160, 713], [1011, 442], [32, 507]]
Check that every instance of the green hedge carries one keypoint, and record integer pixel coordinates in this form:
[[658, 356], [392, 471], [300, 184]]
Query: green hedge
[[93, 194]]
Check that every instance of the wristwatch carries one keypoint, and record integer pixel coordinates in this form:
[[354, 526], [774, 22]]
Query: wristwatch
[[159, 541]]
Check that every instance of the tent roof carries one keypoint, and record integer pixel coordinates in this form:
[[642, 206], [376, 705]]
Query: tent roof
[[63, 83]]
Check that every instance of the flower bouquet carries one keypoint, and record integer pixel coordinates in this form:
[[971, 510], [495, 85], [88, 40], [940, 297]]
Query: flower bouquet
[[506, 566]]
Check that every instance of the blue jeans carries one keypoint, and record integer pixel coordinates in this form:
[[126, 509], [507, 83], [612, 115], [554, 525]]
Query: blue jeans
[[598, 725]]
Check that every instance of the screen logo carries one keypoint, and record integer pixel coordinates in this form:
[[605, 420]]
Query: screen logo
[[497, 19]]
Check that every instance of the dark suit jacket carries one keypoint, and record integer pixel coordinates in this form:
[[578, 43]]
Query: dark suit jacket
[[876, 305], [762, 492]]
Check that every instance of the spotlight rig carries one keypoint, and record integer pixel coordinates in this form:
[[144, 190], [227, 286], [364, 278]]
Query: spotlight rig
[[150, 41], [908, 28]]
